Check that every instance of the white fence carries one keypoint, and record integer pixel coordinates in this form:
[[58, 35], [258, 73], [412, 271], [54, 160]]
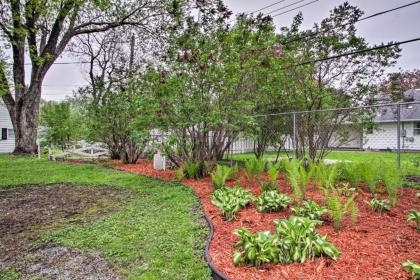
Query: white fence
[[81, 150]]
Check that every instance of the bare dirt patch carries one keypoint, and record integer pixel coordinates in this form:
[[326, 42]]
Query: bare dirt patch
[[62, 263], [25, 211]]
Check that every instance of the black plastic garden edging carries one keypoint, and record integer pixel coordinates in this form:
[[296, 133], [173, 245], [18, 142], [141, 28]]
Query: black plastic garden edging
[[215, 273]]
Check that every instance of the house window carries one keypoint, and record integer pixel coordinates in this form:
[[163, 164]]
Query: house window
[[416, 128], [10, 133], [4, 134]]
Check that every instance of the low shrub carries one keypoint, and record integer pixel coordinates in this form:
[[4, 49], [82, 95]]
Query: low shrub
[[295, 240], [231, 200], [254, 168], [413, 267], [414, 216], [379, 205], [270, 201], [309, 209], [338, 210]]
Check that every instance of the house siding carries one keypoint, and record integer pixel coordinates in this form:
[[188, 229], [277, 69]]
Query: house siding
[[384, 136], [6, 146], [411, 141]]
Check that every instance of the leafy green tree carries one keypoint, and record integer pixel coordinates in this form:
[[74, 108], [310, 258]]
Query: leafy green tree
[[334, 83], [397, 83], [206, 96], [63, 125], [41, 30]]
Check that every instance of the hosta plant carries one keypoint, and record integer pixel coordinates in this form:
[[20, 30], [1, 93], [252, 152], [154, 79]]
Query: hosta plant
[[254, 168], [413, 267], [295, 240], [298, 177], [270, 201], [221, 174], [231, 200], [414, 216], [256, 248], [339, 209], [298, 240], [309, 209], [346, 190], [379, 205]]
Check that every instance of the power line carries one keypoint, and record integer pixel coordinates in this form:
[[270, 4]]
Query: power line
[[307, 4], [58, 63], [310, 35], [66, 63], [269, 6], [284, 7], [354, 52]]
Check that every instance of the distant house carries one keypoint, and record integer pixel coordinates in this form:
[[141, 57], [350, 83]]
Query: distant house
[[384, 134], [7, 140]]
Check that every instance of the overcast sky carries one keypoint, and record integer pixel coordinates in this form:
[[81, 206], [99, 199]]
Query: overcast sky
[[396, 26]]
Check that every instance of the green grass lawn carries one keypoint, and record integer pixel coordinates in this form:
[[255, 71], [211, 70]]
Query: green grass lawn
[[159, 234], [355, 156]]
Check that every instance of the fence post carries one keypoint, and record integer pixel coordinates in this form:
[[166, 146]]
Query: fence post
[[399, 136], [294, 134]]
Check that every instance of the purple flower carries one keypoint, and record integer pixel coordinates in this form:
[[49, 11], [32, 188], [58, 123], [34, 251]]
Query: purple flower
[[278, 49]]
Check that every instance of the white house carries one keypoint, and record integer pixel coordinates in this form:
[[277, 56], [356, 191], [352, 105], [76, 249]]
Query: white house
[[384, 134], [7, 140]]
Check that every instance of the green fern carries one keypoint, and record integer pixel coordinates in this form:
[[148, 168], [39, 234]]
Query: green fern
[[220, 176], [298, 177], [353, 174], [391, 178], [338, 210], [369, 176], [180, 173], [273, 173], [325, 175], [191, 170], [254, 168]]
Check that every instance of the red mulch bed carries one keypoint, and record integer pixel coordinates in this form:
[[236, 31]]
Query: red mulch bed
[[374, 248]]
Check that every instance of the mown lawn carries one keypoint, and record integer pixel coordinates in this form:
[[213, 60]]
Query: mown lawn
[[407, 159], [158, 234]]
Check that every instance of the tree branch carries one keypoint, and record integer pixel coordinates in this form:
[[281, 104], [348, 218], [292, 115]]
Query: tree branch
[[5, 90]]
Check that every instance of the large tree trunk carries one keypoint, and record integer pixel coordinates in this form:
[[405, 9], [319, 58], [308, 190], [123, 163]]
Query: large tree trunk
[[25, 123]]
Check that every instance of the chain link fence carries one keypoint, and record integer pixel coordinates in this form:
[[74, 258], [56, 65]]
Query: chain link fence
[[384, 132]]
